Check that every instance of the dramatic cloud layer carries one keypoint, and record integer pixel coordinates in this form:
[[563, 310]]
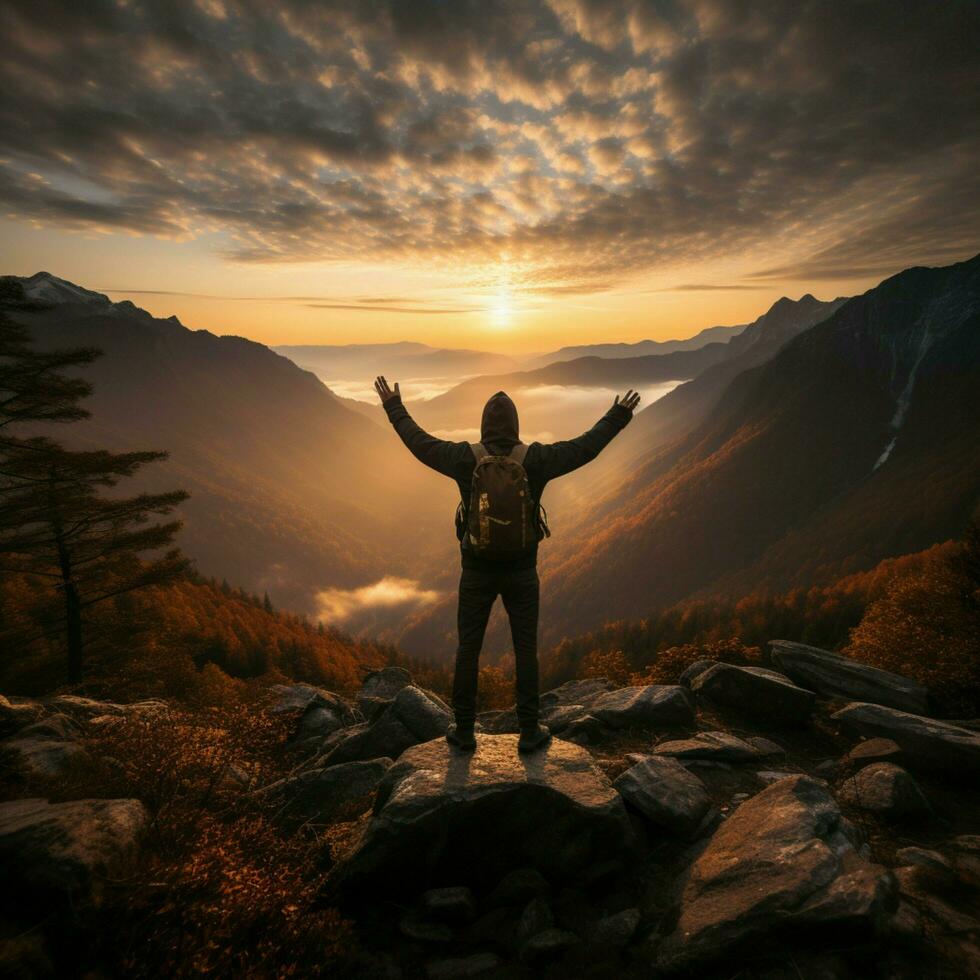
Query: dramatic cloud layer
[[577, 141]]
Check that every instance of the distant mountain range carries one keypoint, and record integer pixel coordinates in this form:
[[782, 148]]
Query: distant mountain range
[[401, 360], [641, 348]]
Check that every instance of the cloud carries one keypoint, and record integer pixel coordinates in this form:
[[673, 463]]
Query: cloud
[[578, 141], [362, 605]]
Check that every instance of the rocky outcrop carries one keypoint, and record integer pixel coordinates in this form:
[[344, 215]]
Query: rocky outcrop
[[585, 710], [60, 852], [438, 811], [667, 795], [836, 676], [872, 750], [413, 716], [755, 690], [320, 712], [887, 789], [46, 747], [380, 688], [785, 864], [647, 706], [87, 709], [326, 795], [926, 742], [711, 747]]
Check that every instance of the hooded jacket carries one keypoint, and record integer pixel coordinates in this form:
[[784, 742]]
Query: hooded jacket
[[499, 433]]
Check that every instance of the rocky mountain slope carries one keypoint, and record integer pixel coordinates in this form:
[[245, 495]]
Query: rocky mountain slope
[[813, 464], [791, 818]]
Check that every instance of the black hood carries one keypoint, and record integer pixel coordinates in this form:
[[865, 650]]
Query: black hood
[[499, 426]]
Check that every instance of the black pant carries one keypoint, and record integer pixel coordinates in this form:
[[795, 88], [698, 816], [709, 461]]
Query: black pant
[[478, 591]]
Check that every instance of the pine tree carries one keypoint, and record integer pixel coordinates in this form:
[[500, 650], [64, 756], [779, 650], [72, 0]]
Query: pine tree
[[55, 523], [32, 385]]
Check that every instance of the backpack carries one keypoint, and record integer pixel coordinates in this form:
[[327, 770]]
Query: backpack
[[501, 520]]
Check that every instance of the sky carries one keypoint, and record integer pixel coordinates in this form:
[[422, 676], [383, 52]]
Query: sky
[[508, 176]]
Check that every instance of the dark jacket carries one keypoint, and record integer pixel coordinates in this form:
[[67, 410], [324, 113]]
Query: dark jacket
[[499, 430]]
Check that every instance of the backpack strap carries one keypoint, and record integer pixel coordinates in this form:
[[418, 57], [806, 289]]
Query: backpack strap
[[479, 450], [518, 453]]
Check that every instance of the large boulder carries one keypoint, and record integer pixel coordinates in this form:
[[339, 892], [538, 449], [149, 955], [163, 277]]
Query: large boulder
[[785, 863], [413, 716], [380, 687], [440, 812], [580, 692], [835, 676], [645, 706], [47, 747], [755, 690], [711, 747], [61, 852], [320, 712], [666, 794], [926, 742], [324, 795], [887, 789]]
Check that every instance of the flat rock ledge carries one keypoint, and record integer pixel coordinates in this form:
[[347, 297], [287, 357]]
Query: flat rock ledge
[[835, 676], [439, 811], [927, 743]]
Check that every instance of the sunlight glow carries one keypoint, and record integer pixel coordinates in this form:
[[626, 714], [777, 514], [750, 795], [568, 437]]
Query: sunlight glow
[[501, 309]]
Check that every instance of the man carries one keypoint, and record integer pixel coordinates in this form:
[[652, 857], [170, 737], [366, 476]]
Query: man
[[511, 574]]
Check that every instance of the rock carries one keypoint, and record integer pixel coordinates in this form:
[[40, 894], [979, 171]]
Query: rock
[[755, 690], [380, 687], [618, 929], [713, 746], [414, 925], [785, 859], [766, 746], [498, 722], [459, 968], [647, 706], [883, 787], [584, 730], [923, 858], [412, 717], [666, 794], [438, 810], [535, 918], [87, 708], [16, 715], [47, 747], [581, 693], [547, 946], [517, 888], [453, 905], [926, 742], [320, 712], [769, 776], [54, 852], [324, 795], [965, 854], [695, 670], [836, 676], [873, 750]]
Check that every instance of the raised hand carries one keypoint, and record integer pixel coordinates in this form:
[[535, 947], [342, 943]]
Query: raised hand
[[629, 401], [384, 392]]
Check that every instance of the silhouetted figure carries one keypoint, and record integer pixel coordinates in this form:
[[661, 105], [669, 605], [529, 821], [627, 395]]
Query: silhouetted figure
[[499, 523]]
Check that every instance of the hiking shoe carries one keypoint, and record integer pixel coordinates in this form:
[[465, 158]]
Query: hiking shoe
[[533, 738], [461, 738]]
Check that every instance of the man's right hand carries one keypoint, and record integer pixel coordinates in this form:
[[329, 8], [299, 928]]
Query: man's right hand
[[629, 401], [384, 392]]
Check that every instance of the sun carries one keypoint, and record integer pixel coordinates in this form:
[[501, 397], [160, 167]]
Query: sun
[[501, 310]]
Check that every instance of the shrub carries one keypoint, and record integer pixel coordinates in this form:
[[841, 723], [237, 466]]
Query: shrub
[[673, 661]]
